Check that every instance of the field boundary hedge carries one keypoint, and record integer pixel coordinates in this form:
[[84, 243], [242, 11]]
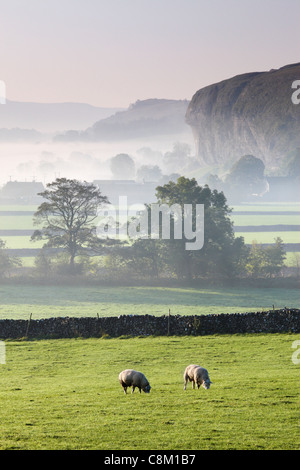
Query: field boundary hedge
[[272, 321]]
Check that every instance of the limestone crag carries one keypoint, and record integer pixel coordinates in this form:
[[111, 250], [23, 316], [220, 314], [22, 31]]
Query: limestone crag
[[251, 113]]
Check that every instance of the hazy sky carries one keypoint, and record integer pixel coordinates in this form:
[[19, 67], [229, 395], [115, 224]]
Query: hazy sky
[[113, 52]]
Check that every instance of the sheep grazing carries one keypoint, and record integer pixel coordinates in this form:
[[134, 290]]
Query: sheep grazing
[[133, 378], [198, 375]]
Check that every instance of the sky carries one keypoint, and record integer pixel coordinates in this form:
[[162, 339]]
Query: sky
[[110, 53]]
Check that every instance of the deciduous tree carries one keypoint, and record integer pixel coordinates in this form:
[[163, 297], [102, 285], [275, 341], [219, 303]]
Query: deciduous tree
[[68, 216]]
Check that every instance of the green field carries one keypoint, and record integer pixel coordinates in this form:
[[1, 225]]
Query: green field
[[292, 258], [16, 222], [19, 301], [267, 206], [17, 208], [65, 395], [261, 217], [21, 242], [268, 237]]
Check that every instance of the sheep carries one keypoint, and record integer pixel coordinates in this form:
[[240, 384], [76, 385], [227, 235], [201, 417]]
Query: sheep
[[130, 377], [198, 375]]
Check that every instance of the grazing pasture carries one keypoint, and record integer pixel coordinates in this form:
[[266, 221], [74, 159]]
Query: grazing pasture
[[19, 301], [262, 219], [281, 216], [16, 222], [65, 394]]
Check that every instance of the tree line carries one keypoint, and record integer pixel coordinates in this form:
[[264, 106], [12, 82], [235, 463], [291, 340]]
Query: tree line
[[67, 221]]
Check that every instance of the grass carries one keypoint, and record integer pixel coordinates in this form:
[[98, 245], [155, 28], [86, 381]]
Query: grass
[[28, 261], [271, 206], [262, 219], [267, 219], [18, 301], [21, 242], [64, 394], [269, 237], [16, 222], [291, 258], [19, 222]]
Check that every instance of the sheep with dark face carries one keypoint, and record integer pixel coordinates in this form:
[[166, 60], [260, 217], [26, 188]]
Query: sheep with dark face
[[198, 375], [133, 378]]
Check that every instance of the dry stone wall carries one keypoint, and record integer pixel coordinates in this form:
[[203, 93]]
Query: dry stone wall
[[273, 321]]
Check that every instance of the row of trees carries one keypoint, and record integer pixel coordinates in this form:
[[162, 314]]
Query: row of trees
[[67, 223], [223, 255]]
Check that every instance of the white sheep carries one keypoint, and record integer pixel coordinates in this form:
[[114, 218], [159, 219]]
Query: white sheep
[[198, 375], [133, 378]]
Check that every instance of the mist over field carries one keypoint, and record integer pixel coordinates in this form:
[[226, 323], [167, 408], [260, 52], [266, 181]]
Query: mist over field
[[146, 131], [46, 161]]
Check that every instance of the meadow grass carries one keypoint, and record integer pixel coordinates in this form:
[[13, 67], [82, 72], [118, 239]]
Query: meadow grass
[[269, 237], [19, 301], [21, 242], [262, 219], [17, 207], [16, 222], [292, 258], [266, 207], [64, 394]]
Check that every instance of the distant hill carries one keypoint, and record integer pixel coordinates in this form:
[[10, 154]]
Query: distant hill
[[146, 118], [248, 114], [49, 117]]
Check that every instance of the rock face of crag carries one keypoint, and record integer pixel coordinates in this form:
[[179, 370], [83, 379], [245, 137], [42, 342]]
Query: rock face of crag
[[251, 113]]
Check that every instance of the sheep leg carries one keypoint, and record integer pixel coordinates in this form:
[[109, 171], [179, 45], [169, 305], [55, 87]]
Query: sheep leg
[[185, 382], [132, 389]]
